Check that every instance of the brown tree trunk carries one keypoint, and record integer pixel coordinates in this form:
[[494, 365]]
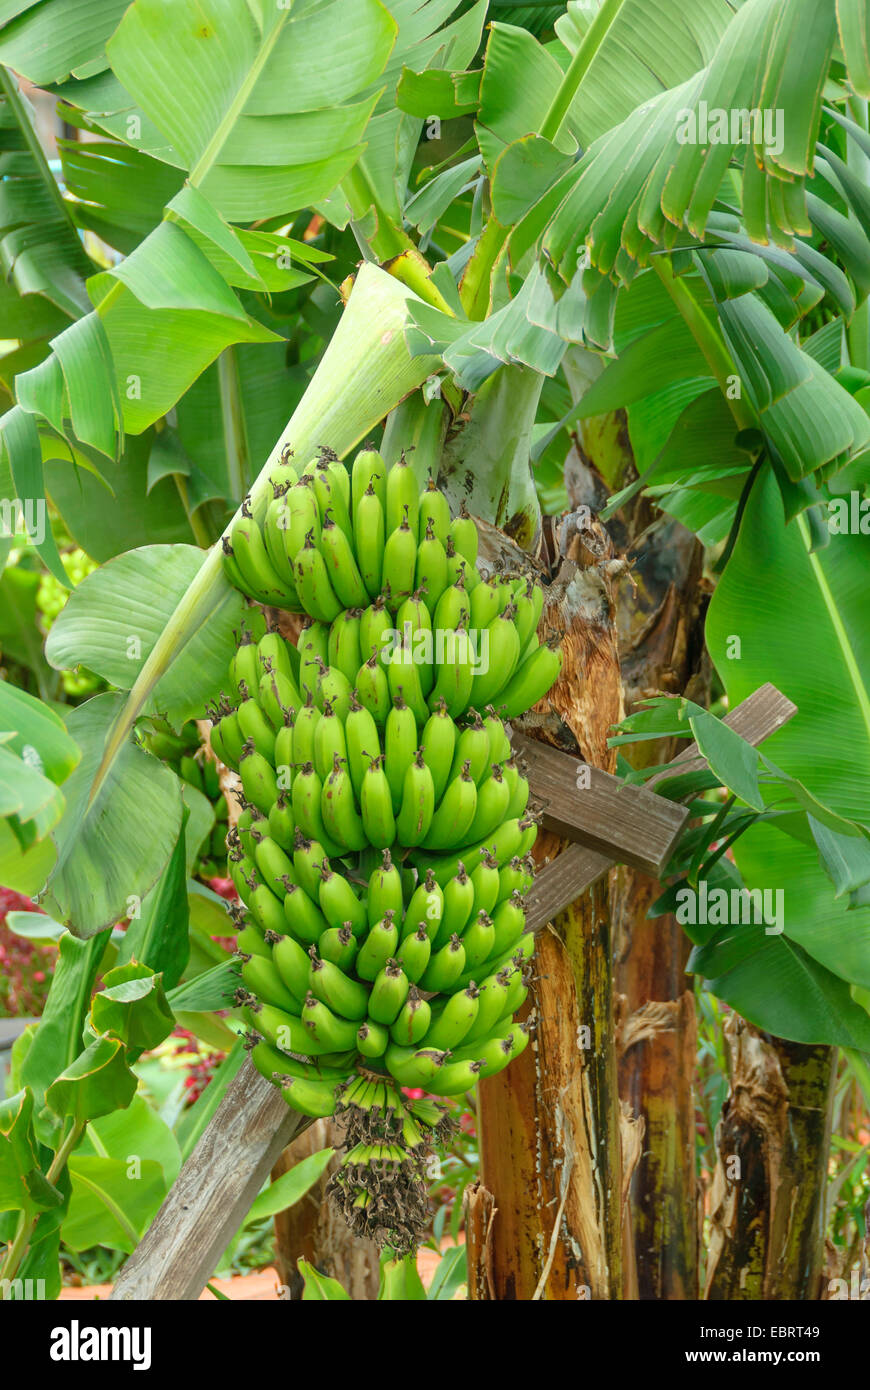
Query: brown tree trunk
[[661, 647], [659, 605], [314, 1230], [551, 1154], [768, 1196]]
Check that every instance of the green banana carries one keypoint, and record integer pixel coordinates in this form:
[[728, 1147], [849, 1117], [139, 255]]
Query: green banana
[[334, 687], [400, 562], [412, 1020], [282, 826], [368, 469], [271, 860], [303, 917], [284, 751], [493, 805], [309, 857], [345, 996], [418, 802], [455, 813], [499, 743], [492, 1002], [277, 695], [473, 744], [455, 1078], [374, 625], [485, 603], [444, 968], [313, 584], [517, 876], [430, 573], [339, 945], [258, 778], [518, 786], [465, 537], [403, 678], [274, 653], [452, 607], [263, 979], [530, 682], [301, 517], [248, 550], [433, 508], [332, 489], [268, 1060], [369, 536], [385, 890], [414, 1066], [372, 1039], [377, 948], [340, 904], [292, 963], [455, 678], [326, 1027], [458, 897], [244, 665], [478, 939], [306, 800], [376, 806], [373, 690], [503, 656], [344, 650], [389, 992], [341, 565], [329, 741], [252, 942], [400, 742], [363, 742], [509, 923], [455, 1019], [307, 720], [426, 904], [402, 499], [254, 726], [313, 646], [313, 1098], [283, 1030], [342, 820], [485, 882], [274, 525], [439, 742], [415, 951]]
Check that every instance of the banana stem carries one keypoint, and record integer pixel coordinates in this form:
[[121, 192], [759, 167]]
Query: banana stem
[[578, 68], [232, 416]]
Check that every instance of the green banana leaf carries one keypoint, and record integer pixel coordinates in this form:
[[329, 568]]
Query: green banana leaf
[[784, 603]]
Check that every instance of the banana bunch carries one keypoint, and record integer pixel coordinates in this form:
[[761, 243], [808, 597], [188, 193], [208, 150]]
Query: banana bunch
[[382, 850]]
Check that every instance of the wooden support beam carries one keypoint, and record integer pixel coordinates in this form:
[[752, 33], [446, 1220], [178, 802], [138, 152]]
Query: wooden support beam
[[602, 812], [571, 873], [213, 1192]]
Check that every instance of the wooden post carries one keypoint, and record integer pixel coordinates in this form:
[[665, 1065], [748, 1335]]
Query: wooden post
[[213, 1192]]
